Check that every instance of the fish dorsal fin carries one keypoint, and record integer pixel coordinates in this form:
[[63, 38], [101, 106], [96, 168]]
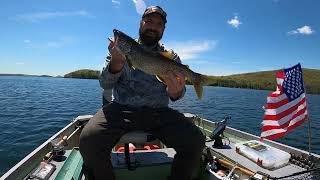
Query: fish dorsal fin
[[167, 54]]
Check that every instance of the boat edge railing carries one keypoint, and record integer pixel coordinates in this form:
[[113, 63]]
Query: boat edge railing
[[44, 148]]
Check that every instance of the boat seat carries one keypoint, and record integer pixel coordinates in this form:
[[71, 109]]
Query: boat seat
[[139, 137]]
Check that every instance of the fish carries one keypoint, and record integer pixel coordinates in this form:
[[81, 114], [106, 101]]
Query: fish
[[158, 64]]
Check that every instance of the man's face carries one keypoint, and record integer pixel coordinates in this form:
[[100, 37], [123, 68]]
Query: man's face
[[151, 29]]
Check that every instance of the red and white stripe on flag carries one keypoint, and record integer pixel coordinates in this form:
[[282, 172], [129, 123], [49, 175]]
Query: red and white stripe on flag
[[286, 108]]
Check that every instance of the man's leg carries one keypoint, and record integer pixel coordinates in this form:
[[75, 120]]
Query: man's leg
[[98, 138], [177, 132]]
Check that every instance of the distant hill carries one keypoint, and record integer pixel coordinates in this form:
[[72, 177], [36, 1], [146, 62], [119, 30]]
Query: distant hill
[[267, 80], [25, 75], [14, 75], [264, 80], [83, 74]]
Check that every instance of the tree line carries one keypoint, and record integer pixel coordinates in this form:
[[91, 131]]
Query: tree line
[[264, 80]]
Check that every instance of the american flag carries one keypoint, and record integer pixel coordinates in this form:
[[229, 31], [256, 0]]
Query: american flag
[[286, 108]]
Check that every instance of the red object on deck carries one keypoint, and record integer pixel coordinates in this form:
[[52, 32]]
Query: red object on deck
[[151, 147], [133, 148], [121, 148]]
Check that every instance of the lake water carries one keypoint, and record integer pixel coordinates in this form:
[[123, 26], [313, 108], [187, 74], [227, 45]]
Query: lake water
[[32, 109]]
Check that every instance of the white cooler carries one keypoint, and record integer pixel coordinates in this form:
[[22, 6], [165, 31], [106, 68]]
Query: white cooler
[[264, 155]]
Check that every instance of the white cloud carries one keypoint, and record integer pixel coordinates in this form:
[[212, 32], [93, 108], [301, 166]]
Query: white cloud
[[234, 22], [192, 49], [140, 6], [27, 41], [305, 30], [59, 43], [64, 41], [236, 62], [115, 2], [35, 17], [54, 44], [19, 63]]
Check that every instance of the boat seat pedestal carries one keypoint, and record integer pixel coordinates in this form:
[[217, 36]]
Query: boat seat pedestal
[[139, 137]]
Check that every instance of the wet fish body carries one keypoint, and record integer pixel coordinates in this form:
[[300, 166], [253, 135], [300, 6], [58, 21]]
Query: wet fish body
[[156, 63]]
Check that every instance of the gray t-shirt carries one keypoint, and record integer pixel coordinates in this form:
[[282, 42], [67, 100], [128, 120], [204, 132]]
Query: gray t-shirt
[[135, 88]]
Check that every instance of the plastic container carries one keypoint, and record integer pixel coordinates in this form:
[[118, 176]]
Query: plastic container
[[264, 155]]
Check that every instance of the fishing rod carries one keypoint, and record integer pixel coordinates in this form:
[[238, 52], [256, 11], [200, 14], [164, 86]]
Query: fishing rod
[[45, 168]]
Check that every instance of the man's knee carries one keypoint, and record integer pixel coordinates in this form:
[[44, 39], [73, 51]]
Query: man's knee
[[87, 139], [197, 143], [92, 132], [194, 143], [101, 139]]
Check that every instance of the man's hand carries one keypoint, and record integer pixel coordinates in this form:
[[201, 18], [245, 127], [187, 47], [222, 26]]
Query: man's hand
[[117, 60], [175, 84]]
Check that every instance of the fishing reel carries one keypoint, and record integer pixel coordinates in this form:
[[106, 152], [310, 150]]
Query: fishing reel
[[57, 149]]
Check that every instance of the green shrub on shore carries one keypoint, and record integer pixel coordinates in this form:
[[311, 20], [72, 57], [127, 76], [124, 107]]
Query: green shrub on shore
[[266, 80], [83, 74]]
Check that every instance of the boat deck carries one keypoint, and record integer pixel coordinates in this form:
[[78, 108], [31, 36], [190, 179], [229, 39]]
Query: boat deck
[[231, 154], [150, 164]]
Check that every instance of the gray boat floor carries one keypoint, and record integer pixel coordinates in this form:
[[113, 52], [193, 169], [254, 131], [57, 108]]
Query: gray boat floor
[[148, 158], [245, 162]]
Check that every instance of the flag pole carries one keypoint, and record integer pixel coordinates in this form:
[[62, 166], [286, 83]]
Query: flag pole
[[309, 123], [309, 132]]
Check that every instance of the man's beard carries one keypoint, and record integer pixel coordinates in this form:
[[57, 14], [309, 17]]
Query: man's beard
[[148, 40]]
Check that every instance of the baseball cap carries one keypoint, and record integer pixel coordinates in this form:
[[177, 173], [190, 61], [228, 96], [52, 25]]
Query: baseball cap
[[155, 9]]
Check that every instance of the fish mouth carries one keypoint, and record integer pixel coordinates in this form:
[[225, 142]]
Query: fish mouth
[[116, 32], [116, 36], [122, 42]]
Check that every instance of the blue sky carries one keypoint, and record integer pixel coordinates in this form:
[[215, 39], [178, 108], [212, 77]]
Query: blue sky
[[215, 37]]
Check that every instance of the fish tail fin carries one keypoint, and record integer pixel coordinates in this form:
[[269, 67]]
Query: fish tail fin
[[202, 80], [198, 83], [198, 87]]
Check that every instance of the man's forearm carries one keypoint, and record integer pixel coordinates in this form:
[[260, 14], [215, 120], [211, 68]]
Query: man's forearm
[[107, 79], [115, 66]]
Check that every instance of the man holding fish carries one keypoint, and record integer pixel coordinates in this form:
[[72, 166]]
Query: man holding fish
[[141, 94]]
